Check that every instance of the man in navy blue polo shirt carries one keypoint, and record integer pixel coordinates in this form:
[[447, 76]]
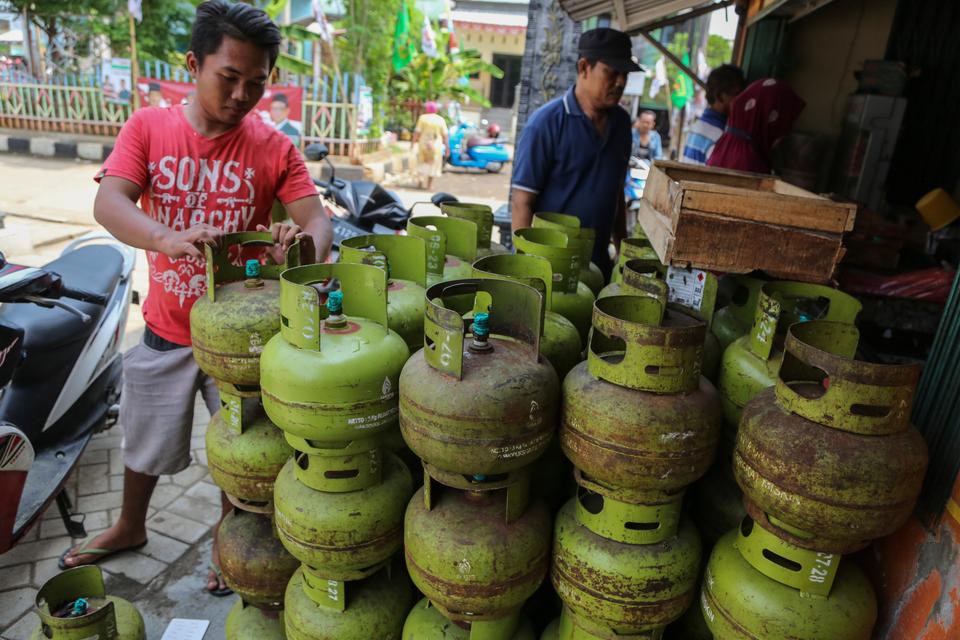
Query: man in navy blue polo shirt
[[574, 151]]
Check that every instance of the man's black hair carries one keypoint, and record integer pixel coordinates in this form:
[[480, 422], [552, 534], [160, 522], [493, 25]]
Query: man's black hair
[[153, 86], [218, 18], [727, 78], [281, 98], [647, 112]]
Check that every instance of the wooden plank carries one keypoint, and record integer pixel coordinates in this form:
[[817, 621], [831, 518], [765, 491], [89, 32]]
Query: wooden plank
[[728, 177], [719, 243], [658, 229], [789, 211]]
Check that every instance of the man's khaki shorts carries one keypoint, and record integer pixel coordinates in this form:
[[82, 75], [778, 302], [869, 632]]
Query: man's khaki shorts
[[156, 407]]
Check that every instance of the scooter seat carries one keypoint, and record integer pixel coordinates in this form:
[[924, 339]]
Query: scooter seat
[[95, 268]]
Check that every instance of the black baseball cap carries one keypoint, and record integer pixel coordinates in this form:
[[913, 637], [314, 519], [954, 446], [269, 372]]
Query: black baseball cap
[[611, 47]]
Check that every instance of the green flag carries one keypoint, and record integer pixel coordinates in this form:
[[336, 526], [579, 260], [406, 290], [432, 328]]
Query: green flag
[[682, 88], [404, 47]]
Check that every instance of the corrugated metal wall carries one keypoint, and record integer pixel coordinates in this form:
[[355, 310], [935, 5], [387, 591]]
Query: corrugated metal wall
[[925, 35]]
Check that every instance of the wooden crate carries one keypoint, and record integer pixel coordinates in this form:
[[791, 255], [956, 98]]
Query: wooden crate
[[738, 222]]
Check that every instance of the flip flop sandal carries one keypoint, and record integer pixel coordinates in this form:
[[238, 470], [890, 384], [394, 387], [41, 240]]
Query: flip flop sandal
[[219, 592], [93, 551]]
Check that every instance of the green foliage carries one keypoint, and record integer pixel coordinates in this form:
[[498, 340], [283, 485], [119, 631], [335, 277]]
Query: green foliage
[[163, 35], [719, 51], [367, 46], [441, 78]]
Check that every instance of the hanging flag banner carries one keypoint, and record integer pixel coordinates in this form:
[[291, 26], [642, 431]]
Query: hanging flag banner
[[135, 7], [428, 40], [403, 44]]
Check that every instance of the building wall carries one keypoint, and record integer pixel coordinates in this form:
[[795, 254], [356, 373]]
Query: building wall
[[823, 50], [489, 43]]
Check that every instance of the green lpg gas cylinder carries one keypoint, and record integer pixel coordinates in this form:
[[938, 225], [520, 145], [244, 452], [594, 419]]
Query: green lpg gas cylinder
[[638, 414], [829, 454], [573, 627], [404, 258], [735, 317], [469, 557], [571, 298], [374, 608], [716, 502], [240, 312], [559, 340], [74, 605], [245, 452], [482, 403], [584, 239], [482, 216], [639, 277], [451, 245], [632, 249], [329, 379], [757, 586], [425, 622], [254, 563], [552, 632], [346, 534], [246, 622], [621, 588], [751, 362]]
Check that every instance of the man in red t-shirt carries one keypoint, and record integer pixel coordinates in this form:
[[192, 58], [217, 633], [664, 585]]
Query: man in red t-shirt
[[198, 171]]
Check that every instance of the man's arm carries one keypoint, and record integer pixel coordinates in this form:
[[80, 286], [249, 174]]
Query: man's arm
[[521, 208], [115, 207], [309, 218]]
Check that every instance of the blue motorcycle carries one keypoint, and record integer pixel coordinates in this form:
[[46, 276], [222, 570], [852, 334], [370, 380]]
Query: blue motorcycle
[[472, 151]]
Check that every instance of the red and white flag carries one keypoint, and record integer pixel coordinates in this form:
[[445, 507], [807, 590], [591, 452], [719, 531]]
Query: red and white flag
[[135, 7]]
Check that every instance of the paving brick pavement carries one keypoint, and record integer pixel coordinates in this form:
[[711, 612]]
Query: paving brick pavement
[[180, 522]]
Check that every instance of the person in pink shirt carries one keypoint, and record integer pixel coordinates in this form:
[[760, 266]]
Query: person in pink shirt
[[198, 171]]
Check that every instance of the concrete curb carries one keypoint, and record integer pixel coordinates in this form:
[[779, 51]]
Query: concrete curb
[[54, 147]]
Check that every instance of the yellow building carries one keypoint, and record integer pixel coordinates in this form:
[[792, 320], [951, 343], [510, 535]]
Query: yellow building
[[497, 29]]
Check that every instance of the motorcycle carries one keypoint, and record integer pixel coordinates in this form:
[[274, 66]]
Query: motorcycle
[[362, 206], [490, 157], [61, 328]]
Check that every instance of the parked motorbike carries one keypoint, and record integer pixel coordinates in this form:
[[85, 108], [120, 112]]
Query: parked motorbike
[[489, 157], [362, 206], [61, 328]]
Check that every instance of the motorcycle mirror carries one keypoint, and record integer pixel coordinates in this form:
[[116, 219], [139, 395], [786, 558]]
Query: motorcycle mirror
[[316, 151], [442, 197]]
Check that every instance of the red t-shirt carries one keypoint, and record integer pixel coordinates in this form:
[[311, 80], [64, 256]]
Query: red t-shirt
[[229, 182]]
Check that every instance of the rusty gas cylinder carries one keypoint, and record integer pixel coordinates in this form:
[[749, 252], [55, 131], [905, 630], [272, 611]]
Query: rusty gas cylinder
[[246, 622], [467, 554], [375, 607], [245, 452], [240, 312], [620, 587], [254, 563], [426, 622], [479, 403], [637, 414], [829, 454]]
